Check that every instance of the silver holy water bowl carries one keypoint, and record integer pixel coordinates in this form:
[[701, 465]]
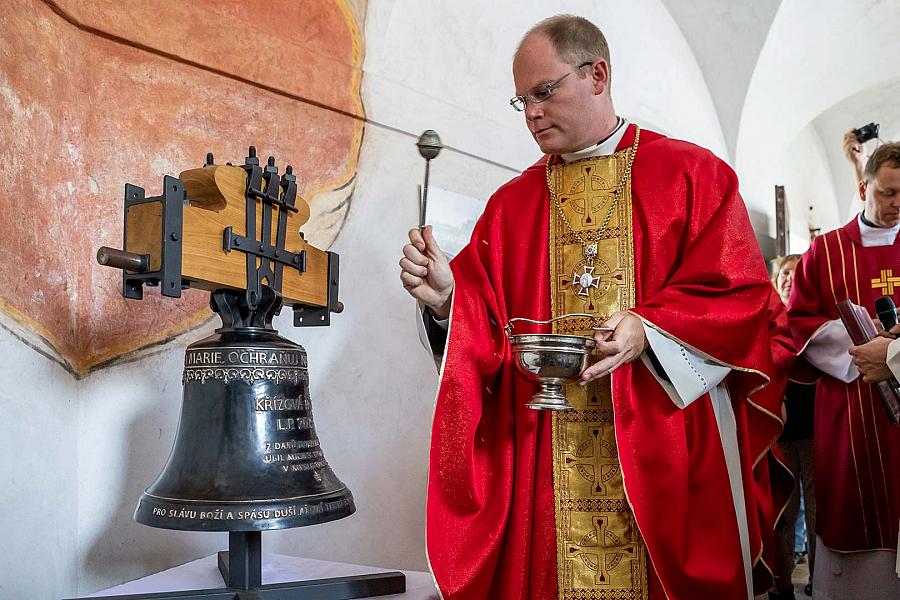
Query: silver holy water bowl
[[551, 359]]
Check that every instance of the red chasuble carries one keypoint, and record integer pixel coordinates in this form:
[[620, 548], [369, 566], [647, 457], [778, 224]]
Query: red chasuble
[[856, 450], [699, 276]]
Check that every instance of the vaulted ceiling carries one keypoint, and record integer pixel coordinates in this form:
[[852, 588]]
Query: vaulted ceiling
[[726, 38], [775, 69]]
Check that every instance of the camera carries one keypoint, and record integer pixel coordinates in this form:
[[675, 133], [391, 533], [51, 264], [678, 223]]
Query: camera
[[866, 132]]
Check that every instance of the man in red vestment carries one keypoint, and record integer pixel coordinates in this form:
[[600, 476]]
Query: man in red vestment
[[682, 365], [856, 450]]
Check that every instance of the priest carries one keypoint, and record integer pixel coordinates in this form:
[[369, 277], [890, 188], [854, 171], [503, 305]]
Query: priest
[[856, 450], [655, 485]]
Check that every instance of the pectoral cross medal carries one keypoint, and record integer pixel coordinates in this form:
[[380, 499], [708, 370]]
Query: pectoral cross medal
[[586, 279]]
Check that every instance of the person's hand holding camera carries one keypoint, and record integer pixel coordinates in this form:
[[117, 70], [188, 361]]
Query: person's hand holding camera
[[855, 151]]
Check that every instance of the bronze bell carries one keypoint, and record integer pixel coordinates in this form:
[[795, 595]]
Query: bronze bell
[[246, 456]]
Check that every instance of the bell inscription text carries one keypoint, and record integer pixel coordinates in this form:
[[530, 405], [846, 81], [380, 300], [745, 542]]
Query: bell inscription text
[[265, 468]]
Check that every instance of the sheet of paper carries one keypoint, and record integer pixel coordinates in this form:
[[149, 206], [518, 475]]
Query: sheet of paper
[[453, 216]]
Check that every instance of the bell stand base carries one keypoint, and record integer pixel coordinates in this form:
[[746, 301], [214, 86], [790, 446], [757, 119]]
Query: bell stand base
[[241, 569]]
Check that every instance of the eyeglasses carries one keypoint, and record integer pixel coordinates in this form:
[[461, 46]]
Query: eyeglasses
[[543, 92]]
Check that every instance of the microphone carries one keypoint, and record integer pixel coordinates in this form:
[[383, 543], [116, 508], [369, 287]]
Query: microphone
[[886, 311]]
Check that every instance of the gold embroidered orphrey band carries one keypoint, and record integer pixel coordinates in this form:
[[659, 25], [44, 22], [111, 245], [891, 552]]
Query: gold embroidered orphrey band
[[600, 553]]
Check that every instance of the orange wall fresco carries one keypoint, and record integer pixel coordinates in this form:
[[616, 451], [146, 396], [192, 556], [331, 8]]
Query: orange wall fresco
[[97, 93]]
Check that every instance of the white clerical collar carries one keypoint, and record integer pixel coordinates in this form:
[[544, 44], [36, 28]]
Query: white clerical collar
[[604, 148], [877, 236]]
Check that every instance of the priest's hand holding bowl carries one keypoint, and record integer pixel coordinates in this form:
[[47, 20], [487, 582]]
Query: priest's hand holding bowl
[[620, 346], [425, 272]]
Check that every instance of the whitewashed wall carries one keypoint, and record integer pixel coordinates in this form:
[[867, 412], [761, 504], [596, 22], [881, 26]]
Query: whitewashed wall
[[100, 441], [38, 465], [447, 66], [805, 173]]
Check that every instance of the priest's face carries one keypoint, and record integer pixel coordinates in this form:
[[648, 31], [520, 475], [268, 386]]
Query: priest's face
[[882, 196], [577, 112]]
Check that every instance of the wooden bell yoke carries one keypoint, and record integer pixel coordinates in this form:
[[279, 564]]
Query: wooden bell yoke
[[225, 227]]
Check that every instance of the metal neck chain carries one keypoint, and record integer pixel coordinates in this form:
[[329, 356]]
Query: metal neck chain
[[589, 247]]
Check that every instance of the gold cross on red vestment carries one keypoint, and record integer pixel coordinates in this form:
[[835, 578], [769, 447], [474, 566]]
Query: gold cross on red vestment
[[601, 550], [595, 460], [887, 282], [582, 200]]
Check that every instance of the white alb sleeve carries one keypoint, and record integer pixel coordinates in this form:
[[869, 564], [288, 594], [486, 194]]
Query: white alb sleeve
[[688, 373], [893, 358], [828, 351]]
